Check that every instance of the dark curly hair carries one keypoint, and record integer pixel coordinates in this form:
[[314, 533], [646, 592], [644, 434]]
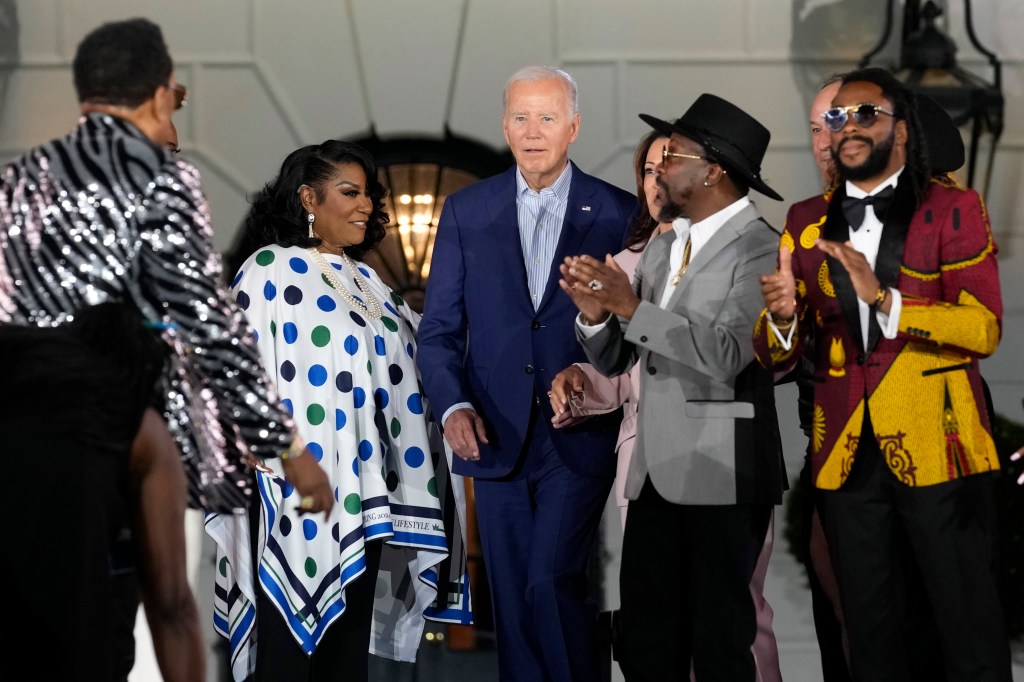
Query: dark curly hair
[[644, 223], [121, 63], [917, 171], [277, 216]]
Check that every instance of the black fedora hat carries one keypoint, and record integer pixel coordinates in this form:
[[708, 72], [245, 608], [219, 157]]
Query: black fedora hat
[[732, 136], [941, 136]]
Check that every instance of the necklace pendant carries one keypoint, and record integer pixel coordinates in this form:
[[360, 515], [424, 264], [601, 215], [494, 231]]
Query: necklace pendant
[[371, 308], [675, 280]]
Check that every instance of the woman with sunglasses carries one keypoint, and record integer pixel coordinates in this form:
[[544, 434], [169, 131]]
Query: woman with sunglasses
[[298, 592]]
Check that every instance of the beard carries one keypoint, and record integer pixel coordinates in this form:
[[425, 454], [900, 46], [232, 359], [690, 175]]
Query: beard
[[669, 210], [872, 166]]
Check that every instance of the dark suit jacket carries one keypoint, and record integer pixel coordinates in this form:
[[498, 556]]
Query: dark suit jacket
[[481, 341]]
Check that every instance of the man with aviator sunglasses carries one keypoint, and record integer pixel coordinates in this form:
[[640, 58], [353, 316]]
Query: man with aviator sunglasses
[[900, 283], [863, 114]]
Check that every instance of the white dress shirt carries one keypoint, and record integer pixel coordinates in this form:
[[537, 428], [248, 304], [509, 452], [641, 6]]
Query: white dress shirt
[[866, 240], [541, 215], [699, 234]]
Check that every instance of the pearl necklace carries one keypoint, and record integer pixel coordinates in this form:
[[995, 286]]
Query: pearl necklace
[[372, 307]]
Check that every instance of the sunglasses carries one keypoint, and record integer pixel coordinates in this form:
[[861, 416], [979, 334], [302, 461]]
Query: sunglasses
[[863, 114], [666, 154]]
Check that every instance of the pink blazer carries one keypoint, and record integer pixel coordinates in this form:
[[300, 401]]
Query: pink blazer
[[605, 394]]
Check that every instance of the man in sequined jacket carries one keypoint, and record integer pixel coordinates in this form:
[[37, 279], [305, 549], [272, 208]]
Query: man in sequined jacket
[[106, 213]]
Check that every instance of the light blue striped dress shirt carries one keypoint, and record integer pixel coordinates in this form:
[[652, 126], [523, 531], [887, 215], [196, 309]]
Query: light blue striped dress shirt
[[541, 215]]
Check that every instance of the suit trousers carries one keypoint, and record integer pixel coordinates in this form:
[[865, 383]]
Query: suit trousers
[[537, 529], [685, 589], [950, 530]]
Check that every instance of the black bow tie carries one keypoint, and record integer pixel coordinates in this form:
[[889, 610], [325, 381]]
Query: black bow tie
[[853, 209]]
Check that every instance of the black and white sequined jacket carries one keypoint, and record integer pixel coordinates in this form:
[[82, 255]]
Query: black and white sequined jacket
[[104, 214]]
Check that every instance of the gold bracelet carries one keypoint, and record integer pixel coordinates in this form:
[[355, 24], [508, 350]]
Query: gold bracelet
[[296, 449], [880, 297]]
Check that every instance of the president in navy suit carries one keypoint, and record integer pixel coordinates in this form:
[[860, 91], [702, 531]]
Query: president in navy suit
[[495, 331]]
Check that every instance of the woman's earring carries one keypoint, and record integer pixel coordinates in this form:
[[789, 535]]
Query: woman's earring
[[705, 184], [310, 218]]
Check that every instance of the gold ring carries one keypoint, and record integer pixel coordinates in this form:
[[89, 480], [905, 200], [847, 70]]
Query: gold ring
[[306, 502]]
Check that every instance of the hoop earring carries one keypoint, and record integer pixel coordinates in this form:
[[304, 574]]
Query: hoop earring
[[309, 219]]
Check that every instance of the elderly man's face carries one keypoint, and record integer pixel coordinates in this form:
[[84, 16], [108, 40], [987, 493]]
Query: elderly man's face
[[539, 126], [821, 139]]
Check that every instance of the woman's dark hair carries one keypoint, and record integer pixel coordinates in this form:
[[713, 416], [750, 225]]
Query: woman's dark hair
[[121, 63], [918, 170], [644, 223], [277, 216]]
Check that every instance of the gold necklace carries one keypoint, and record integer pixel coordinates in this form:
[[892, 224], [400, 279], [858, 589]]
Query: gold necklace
[[682, 266], [372, 307]]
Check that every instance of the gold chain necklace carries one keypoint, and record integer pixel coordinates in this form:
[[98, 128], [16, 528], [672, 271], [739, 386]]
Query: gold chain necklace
[[682, 266], [372, 305]]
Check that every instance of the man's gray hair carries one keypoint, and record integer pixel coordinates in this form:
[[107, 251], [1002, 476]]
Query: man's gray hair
[[539, 73]]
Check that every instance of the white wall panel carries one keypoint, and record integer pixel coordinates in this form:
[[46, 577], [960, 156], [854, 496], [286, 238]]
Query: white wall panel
[[500, 38], [599, 91], [1005, 200], [39, 30], [39, 105], [228, 203], [409, 47], [661, 28], [308, 62], [189, 26], [254, 139], [997, 26], [1013, 93]]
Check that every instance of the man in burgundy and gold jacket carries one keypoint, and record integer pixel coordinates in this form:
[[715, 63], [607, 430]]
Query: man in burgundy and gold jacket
[[899, 282]]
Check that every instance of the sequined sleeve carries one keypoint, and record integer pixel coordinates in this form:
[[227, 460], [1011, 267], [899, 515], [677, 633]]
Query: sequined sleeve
[[180, 279]]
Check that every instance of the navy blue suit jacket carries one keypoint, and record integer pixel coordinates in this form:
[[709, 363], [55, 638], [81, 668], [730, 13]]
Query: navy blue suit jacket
[[481, 341]]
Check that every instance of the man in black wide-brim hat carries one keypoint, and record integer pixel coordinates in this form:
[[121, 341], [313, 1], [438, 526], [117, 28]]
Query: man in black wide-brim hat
[[708, 466]]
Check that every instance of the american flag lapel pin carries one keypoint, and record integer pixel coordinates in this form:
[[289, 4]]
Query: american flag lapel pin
[[586, 208]]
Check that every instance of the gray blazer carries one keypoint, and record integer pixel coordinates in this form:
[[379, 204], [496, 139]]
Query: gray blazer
[[708, 432]]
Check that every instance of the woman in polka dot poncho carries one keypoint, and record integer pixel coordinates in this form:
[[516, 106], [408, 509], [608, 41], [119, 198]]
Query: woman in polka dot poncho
[[295, 592]]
